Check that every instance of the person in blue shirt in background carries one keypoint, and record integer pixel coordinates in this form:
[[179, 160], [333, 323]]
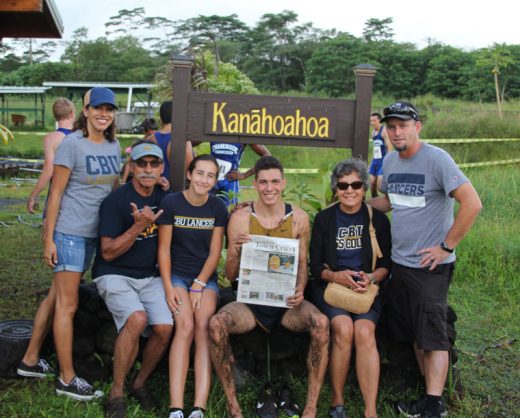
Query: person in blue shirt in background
[[382, 146], [228, 156], [163, 136]]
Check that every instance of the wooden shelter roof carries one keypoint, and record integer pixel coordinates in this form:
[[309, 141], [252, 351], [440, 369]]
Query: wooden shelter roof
[[30, 19]]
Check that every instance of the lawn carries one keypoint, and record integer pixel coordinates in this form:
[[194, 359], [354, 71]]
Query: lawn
[[485, 295]]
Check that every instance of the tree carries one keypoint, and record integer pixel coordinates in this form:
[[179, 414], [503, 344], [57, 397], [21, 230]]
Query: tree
[[33, 50], [497, 58], [307, 38], [330, 69], [229, 80], [121, 59], [378, 29], [511, 74], [132, 62], [165, 44], [44, 51], [270, 54], [126, 22], [446, 74], [211, 31], [9, 61], [73, 50], [398, 68], [36, 74]]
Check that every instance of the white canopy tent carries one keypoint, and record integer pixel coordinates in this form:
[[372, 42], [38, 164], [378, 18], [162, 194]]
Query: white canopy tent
[[83, 86]]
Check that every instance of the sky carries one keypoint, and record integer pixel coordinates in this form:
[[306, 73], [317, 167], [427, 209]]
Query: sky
[[459, 23]]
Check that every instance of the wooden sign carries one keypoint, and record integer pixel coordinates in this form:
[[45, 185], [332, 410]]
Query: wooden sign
[[268, 120]]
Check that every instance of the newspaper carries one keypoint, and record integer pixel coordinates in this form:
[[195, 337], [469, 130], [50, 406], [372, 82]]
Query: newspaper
[[268, 269]]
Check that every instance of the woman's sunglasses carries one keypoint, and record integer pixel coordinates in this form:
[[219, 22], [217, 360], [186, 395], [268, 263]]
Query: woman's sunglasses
[[356, 185]]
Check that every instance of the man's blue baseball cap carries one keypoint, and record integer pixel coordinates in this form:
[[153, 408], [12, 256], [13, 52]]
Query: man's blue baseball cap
[[99, 96]]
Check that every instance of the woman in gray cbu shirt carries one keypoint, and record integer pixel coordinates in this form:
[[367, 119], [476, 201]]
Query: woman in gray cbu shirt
[[86, 169]]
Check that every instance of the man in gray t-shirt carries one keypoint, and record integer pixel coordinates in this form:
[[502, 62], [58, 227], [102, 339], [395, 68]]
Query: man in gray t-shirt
[[419, 189], [420, 183]]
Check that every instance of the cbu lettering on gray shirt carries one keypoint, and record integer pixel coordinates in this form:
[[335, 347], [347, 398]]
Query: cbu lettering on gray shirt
[[94, 170], [422, 209]]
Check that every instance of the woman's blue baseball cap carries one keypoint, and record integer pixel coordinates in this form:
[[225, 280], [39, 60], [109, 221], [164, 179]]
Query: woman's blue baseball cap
[[97, 96]]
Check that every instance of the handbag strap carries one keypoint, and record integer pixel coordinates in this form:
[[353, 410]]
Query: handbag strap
[[376, 251]]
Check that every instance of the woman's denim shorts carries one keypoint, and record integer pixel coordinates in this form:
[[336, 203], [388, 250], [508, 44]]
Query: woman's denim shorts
[[185, 283], [74, 253]]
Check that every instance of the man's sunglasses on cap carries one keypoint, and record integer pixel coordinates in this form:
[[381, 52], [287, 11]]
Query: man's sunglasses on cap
[[401, 109], [343, 185]]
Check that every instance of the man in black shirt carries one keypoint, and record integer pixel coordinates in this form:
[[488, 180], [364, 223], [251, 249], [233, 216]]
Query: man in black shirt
[[126, 275]]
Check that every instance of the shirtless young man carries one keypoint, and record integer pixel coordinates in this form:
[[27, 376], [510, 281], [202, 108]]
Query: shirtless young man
[[270, 216]]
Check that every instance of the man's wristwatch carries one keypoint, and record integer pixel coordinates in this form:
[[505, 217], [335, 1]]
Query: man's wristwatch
[[445, 247]]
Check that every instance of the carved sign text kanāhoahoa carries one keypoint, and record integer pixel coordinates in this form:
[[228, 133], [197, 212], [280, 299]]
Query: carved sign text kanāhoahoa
[[263, 121]]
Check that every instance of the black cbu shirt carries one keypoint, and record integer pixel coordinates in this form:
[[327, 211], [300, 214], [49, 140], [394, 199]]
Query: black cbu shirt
[[192, 230], [115, 217], [349, 231]]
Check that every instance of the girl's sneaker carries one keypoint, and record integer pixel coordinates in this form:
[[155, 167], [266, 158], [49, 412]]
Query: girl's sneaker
[[176, 413], [40, 369], [197, 413], [78, 389]]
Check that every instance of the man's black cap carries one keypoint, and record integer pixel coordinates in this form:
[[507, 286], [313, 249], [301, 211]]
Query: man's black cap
[[400, 110]]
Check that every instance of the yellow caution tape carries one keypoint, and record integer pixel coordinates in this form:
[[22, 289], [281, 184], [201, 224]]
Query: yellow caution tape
[[469, 141], [31, 133], [291, 170], [430, 141], [487, 163], [20, 160]]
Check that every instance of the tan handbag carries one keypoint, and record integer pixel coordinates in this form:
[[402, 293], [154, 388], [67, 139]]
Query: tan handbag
[[342, 297]]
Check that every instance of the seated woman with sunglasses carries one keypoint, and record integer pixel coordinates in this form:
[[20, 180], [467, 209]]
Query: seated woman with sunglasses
[[341, 252]]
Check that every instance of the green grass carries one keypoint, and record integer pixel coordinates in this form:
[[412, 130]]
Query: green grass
[[485, 295]]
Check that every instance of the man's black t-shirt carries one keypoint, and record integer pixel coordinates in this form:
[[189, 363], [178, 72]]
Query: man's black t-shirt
[[192, 230], [115, 217]]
